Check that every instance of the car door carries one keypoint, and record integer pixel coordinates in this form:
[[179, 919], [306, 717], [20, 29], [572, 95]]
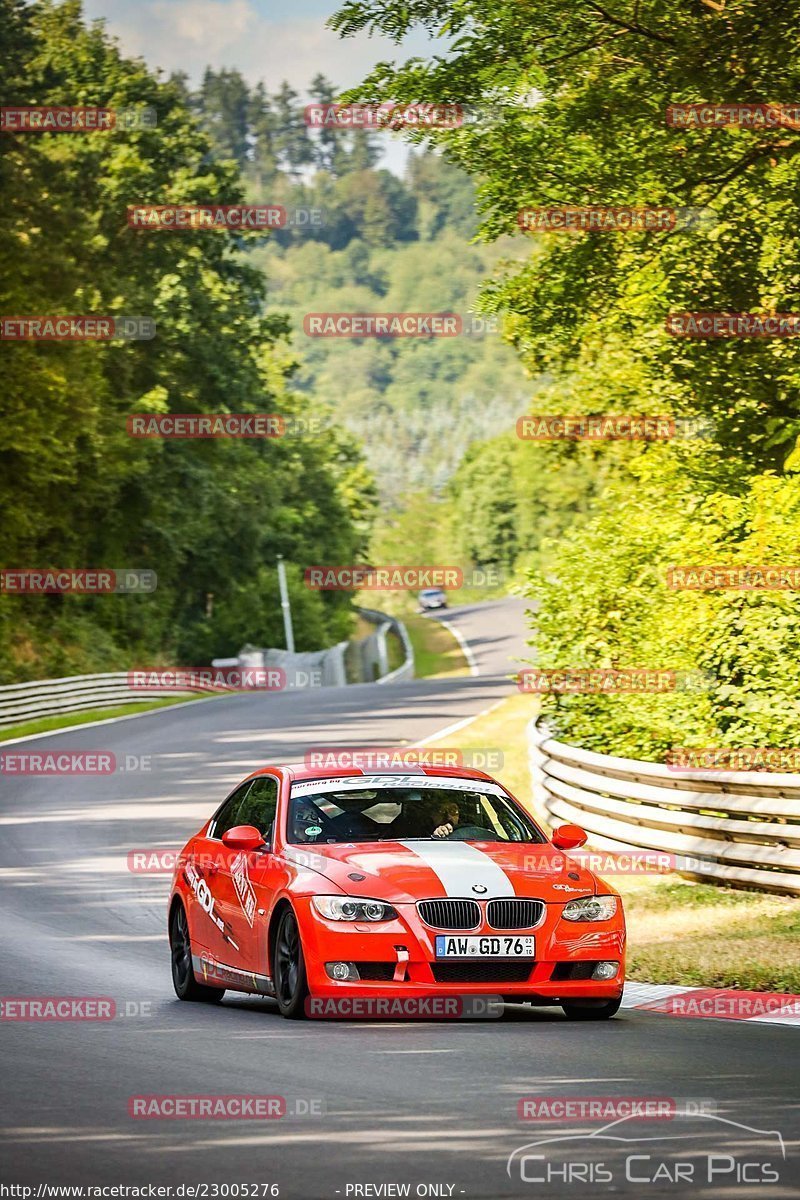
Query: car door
[[209, 925], [246, 880]]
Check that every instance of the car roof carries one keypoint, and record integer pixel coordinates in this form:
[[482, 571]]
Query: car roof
[[302, 770]]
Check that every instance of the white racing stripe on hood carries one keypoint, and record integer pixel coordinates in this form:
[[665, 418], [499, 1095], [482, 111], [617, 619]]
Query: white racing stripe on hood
[[459, 866]]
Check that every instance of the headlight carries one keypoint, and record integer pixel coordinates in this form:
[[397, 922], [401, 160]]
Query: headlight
[[344, 908], [590, 908]]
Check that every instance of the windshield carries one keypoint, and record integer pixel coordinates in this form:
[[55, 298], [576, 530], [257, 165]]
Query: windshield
[[406, 814]]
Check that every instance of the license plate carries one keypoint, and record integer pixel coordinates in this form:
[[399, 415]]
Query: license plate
[[450, 946]]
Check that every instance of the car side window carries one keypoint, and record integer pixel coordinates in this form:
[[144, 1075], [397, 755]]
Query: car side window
[[259, 805], [228, 815]]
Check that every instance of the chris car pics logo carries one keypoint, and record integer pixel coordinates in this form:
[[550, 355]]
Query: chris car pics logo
[[694, 1150]]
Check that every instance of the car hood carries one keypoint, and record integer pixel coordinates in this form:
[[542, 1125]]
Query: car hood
[[404, 872]]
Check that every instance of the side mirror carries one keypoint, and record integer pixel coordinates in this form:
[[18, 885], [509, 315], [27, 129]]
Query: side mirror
[[567, 837], [243, 837]]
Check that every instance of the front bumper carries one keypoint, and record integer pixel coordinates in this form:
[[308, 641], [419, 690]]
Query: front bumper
[[403, 952]]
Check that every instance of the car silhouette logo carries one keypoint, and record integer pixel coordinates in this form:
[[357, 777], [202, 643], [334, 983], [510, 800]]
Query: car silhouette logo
[[614, 1132]]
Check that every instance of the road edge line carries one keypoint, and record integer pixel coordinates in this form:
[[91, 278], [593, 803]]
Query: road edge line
[[459, 724], [466, 649]]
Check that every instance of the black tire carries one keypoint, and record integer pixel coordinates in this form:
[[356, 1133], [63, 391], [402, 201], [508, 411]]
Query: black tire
[[591, 1010], [183, 980], [291, 984]]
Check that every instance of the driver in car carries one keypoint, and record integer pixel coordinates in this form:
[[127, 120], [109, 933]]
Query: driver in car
[[446, 819]]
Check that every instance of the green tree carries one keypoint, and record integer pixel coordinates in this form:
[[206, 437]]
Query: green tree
[[571, 109], [293, 145], [225, 106], [567, 105], [264, 129], [76, 489]]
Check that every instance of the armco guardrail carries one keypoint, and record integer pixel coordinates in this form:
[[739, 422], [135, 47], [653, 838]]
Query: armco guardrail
[[311, 668], [740, 827], [386, 625], [49, 697], [364, 660], [20, 702]]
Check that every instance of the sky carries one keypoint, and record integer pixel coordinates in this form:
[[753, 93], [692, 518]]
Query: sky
[[262, 38]]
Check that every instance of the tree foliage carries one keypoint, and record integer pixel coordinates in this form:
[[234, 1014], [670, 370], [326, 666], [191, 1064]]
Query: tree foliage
[[208, 516], [568, 107]]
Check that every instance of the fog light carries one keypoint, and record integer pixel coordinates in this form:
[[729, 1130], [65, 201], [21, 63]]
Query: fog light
[[605, 970], [342, 971]]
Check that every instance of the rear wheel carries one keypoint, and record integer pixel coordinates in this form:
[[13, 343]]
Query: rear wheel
[[291, 985], [591, 1010], [183, 980]]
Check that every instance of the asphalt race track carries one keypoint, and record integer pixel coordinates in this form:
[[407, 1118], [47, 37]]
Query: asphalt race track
[[415, 1103]]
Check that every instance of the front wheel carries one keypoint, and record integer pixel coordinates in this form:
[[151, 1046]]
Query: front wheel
[[591, 1010], [291, 985], [183, 980]]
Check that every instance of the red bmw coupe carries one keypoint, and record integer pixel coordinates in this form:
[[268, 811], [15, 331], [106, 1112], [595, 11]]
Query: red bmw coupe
[[428, 881]]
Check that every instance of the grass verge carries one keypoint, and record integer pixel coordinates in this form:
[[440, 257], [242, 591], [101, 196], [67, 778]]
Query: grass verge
[[67, 720], [679, 932], [436, 650], [708, 936]]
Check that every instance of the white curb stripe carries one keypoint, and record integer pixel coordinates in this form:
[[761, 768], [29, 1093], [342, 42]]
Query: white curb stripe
[[640, 995]]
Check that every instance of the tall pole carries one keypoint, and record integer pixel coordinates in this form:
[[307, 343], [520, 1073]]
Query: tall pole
[[285, 605]]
